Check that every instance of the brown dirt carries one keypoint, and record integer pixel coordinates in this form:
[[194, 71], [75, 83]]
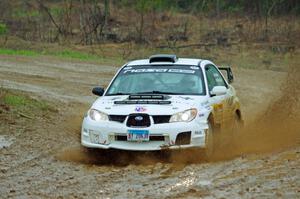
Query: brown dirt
[[45, 160]]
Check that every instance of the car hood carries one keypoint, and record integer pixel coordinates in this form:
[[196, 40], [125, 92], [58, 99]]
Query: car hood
[[177, 104]]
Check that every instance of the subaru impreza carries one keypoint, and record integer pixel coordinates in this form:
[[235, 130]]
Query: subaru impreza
[[163, 102]]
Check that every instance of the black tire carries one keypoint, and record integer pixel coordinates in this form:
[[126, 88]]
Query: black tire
[[237, 128]]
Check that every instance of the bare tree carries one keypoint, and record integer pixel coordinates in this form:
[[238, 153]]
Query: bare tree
[[93, 21], [63, 25]]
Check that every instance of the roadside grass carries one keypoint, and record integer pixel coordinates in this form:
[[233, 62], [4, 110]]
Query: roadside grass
[[4, 51], [19, 101], [23, 104], [64, 54]]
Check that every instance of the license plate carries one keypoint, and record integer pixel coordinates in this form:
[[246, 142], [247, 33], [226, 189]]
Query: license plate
[[138, 135]]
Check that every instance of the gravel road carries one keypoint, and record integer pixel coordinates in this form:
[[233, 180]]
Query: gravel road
[[42, 158]]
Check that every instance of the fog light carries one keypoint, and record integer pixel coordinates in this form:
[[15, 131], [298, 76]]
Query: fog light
[[94, 136]]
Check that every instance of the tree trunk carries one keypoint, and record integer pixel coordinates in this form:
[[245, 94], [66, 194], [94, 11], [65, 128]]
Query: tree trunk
[[141, 28], [218, 8]]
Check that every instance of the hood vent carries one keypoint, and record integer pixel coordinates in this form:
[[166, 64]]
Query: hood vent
[[163, 58], [142, 102], [142, 97]]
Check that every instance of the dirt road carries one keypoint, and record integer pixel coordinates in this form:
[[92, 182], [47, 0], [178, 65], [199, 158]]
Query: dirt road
[[43, 158]]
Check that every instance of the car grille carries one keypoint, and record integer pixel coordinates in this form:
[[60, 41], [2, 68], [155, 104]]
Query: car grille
[[138, 120], [183, 138], [117, 118], [157, 138], [160, 119]]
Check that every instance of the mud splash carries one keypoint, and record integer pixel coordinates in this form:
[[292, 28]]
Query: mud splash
[[113, 157], [279, 125], [274, 129]]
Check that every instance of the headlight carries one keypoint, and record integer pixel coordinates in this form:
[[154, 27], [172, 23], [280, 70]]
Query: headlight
[[185, 116], [97, 115]]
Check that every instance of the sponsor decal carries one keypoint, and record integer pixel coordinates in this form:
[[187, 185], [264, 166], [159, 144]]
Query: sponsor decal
[[158, 70], [218, 106], [140, 109], [181, 71], [201, 114]]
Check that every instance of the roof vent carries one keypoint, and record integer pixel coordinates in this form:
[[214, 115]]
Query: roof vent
[[163, 58]]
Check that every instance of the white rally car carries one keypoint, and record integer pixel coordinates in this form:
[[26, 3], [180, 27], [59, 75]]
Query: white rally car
[[162, 102]]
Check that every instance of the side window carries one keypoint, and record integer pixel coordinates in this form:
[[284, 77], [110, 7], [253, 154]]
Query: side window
[[214, 78]]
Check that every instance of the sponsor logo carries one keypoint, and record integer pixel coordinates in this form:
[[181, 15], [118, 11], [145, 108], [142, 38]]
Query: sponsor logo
[[140, 109], [139, 118], [194, 68]]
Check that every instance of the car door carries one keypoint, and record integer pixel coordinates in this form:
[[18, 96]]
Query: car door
[[219, 103]]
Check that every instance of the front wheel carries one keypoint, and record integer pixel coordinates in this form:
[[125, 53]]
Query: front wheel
[[209, 141]]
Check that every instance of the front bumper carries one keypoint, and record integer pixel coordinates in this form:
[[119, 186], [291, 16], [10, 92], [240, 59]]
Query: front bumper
[[104, 135]]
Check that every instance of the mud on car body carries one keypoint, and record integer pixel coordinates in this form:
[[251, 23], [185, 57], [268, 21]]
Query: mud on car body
[[162, 102]]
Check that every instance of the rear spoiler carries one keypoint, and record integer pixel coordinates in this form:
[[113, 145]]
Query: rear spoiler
[[228, 70]]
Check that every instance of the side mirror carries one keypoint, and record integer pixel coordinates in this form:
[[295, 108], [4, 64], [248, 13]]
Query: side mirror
[[218, 90], [228, 70], [98, 91]]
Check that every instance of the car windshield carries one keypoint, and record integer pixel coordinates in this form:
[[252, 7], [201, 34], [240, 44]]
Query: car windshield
[[177, 80]]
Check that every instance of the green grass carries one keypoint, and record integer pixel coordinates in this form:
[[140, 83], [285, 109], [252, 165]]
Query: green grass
[[4, 51], [75, 55], [21, 101], [65, 54]]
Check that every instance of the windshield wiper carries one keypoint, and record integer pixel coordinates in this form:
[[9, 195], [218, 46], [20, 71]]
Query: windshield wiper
[[119, 93], [159, 92]]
